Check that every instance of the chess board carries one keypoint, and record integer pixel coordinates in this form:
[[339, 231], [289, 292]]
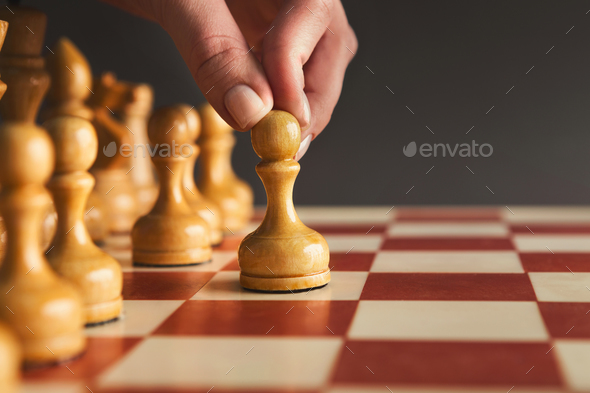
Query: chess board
[[491, 299]]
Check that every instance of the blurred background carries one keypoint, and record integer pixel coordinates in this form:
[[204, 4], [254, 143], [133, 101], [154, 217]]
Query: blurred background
[[447, 63]]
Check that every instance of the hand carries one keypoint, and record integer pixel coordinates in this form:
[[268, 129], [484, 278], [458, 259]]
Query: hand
[[250, 56]]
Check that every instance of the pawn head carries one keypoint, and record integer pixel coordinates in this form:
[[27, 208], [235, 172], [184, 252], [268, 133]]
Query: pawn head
[[193, 120], [75, 141], [168, 125], [277, 136], [26, 154], [213, 124]]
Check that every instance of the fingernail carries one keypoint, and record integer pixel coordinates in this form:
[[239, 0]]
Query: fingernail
[[303, 147], [243, 104], [306, 113]]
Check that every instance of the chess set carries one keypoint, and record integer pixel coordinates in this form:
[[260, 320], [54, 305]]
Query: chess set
[[120, 273]]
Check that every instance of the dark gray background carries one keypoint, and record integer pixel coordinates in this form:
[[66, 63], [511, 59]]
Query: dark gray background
[[448, 61]]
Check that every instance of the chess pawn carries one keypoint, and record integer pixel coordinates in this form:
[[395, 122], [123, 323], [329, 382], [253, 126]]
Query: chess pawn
[[134, 114], [71, 83], [171, 233], [204, 207], [44, 311], [282, 254], [10, 359], [217, 180], [74, 256]]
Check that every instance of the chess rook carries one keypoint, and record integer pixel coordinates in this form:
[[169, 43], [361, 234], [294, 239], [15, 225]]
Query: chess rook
[[74, 256], [282, 254], [206, 208], [43, 309], [172, 233], [217, 180]]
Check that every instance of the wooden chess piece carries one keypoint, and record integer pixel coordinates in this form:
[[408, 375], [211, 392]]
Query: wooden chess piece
[[43, 309], [134, 114], [207, 209], [217, 180], [111, 169], [10, 353], [171, 233], [10, 360], [282, 254], [71, 84], [74, 256]]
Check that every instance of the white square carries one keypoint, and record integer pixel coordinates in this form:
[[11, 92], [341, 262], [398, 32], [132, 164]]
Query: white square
[[139, 318], [249, 362], [448, 229], [226, 286], [552, 243], [448, 321], [547, 214], [53, 387], [447, 262], [344, 214], [574, 357], [561, 287], [354, 243]]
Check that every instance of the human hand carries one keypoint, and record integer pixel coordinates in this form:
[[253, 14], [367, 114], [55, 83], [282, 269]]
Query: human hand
[[250, 56]]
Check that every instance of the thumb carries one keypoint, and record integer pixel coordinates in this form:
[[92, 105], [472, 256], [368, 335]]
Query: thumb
[[217, 54]]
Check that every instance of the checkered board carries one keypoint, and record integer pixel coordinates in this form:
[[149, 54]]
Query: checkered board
[[421, 300]]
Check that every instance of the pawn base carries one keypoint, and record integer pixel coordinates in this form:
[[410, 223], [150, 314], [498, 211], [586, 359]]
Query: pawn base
[[48, 351], [99, 313], [285, 284], [172, 258]]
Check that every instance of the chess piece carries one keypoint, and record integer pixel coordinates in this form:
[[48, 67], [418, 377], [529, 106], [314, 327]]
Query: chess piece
[[10, 359], [134, 114], [74, 256], [43, 310], [204, 207], [282, 254], [111, 169], [171, 233], [71, 83], [217, 180]]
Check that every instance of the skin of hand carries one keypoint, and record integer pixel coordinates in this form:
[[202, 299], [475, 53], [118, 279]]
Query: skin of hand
[[250, 56]]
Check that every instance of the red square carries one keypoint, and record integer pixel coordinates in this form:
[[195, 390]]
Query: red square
[[229, 243], [447, 286], [101, 352], [232, 265], [354, 229], [558, 262], [163, 285], [228, 317], [351, 262], [566, 320], [446, 363], [447, 214], [450, 243]]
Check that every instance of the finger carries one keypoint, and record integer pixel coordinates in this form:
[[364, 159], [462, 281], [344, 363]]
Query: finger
[[216, 52], [287, 46], [324, 75]]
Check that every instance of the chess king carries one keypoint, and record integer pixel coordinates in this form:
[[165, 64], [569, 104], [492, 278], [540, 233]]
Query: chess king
[[282, 254]]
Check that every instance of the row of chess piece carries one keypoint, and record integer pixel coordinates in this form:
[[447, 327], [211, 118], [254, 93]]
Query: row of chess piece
[[54, 279]]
